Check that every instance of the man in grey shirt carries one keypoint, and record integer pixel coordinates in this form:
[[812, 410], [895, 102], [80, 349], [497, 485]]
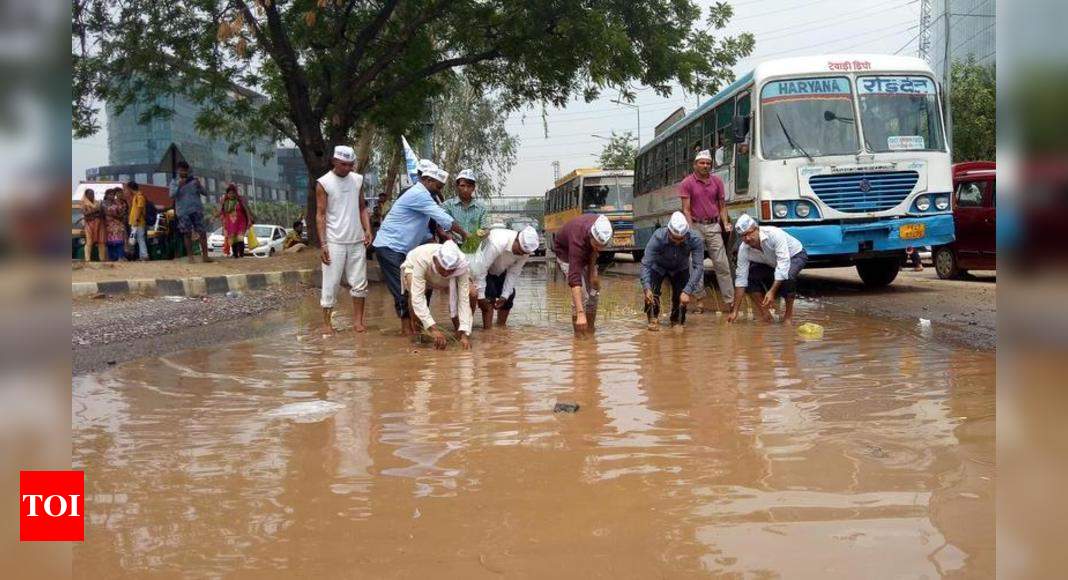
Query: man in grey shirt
[[186, 192], [675, 253]]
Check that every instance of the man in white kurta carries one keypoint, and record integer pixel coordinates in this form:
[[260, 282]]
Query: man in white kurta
[[495, 270], [344, 230], [441, 267]]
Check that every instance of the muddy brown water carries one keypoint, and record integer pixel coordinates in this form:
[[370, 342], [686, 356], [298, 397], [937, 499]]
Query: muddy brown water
[[718, 450]]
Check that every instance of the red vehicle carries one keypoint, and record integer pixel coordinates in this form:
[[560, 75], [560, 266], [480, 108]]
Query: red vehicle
[[975, 221]]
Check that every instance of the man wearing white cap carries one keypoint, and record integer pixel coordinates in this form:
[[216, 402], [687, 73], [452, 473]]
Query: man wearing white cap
[[404, 228], [344, 234], [442, 267], [675, 253], [496, 267], [576, 247], [704, 205], [769, 261], [471, 213]]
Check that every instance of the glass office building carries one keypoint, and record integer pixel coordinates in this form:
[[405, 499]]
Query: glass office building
[[971, 32]]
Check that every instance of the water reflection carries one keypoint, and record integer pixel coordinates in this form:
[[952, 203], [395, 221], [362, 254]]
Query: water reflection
[[718, 449]]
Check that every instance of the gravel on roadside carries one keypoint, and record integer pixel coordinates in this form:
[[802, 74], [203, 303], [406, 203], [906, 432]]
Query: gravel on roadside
[[109, 330]]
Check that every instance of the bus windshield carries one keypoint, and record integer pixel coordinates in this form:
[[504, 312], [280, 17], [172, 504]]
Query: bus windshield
[[807, 117], [900, 113], [607, 192]]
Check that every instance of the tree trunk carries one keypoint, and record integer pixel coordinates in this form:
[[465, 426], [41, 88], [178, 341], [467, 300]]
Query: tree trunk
[[391, 172], [317, 166], [364, 145]]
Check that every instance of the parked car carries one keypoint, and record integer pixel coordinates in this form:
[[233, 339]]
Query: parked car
[[974, 219], [270, 237]]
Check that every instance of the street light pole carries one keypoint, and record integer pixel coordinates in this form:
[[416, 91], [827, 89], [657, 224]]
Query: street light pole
[[638, 110]]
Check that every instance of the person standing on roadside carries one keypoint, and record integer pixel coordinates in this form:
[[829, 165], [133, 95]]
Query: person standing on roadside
[[405, 227], [138, 208], [93, 217], [674, 253], [576, 247], [769, 261], [186, 191], [704, 205], [344, 229], [115, 217], [236, 219]]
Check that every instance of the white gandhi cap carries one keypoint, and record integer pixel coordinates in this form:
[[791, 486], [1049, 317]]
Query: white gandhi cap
[[344, 153], [437, 174], [602, 230], [466, 174], [678, 225], [450, 256], [528, 239], [744, 223]]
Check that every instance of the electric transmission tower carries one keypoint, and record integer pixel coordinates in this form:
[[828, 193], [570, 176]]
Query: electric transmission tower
[[925, 30]]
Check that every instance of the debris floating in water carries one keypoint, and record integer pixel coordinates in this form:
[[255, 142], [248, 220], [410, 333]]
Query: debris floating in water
[[810, 330], [566, 408], [307, 411]]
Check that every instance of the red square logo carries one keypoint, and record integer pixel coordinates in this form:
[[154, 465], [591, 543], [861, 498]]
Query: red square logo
[[51, 506]]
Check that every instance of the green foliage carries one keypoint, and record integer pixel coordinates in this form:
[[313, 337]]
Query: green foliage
[[619, 152], [279, 213], [321, 68], [974, 112], [535, 208]]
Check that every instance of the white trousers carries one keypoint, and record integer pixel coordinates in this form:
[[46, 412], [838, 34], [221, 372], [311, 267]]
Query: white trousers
[[349, 260]]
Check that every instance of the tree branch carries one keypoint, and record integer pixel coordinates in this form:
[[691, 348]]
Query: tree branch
[[365, 36], [390, 90]]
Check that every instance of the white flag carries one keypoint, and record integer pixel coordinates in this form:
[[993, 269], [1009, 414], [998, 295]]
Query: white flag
[[410, 163]]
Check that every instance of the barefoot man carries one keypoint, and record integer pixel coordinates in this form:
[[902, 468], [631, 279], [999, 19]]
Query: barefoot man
[[344, 234], [676, 253], [769, 261], [442, 267], [577, 246]]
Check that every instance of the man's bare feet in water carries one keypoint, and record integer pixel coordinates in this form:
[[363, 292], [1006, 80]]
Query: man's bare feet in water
[[359, 327], [654, 325]]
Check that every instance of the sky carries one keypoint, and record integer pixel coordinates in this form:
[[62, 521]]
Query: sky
[[782, 28]]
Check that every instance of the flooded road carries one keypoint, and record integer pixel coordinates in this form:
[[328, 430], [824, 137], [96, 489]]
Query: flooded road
[[716, 451]]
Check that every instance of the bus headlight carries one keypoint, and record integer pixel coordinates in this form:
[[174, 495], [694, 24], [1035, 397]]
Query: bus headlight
[[942, 202], [780, 209], [803, 210], [923, 203]]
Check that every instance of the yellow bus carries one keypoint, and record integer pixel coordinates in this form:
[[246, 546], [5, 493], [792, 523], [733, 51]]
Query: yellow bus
[[594, 190]]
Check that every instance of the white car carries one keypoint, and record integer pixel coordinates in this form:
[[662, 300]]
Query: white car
[[271, 238]]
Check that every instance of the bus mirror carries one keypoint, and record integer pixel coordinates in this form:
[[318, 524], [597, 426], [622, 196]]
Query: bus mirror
[[739, 128]]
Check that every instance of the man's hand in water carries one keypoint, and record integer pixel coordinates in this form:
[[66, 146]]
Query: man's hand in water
[[648, 296], [732, 316], [684, 299], [499, 303], [465, 342], [580, 322], [440, 342]]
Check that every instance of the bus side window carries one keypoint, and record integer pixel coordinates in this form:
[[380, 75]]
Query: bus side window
[[724, 154], [708, 140], [741, 179]]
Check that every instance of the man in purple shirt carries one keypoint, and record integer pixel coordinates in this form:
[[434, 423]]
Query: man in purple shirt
[[576, 247], [703, 204]]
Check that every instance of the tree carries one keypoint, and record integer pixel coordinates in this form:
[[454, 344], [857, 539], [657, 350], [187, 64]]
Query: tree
[[535, 208], [619, 152], [974, 112], [320, 68], [469, 133]]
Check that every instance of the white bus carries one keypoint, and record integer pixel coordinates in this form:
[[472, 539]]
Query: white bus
[[845, 152]]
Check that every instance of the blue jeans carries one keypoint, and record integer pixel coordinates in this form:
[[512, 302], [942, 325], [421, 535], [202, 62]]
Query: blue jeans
[[138, 232], [389, 261]]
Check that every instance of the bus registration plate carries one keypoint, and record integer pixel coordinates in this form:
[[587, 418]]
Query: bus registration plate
[[912, 231]]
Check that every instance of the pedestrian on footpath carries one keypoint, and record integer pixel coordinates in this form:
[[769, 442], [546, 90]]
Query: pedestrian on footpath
[[577, 246], [495, 270], [186, 191], [405, 227], [115, 217], [344, 228], [93, 217], [703, 203], [471, 213], [442, 267], [769, 261], [236, 218], [674, 253], [138, 221]]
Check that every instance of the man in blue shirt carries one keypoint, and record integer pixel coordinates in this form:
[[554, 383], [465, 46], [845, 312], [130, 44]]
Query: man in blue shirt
[[186, 191], [404, 228], [677, 254]]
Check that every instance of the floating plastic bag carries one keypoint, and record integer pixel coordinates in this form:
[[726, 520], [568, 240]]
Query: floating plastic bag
[[810, 330]]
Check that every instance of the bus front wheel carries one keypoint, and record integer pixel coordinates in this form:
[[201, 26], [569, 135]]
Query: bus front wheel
[[879, 272]]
